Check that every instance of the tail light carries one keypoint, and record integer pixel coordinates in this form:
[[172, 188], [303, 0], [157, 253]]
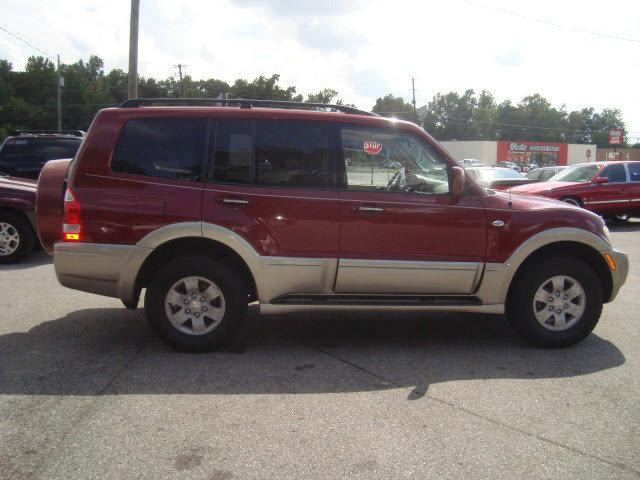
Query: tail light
[[71, 227]]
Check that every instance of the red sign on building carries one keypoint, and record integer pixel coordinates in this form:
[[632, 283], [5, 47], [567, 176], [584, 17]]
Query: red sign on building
[[525, 153], [615, 136]]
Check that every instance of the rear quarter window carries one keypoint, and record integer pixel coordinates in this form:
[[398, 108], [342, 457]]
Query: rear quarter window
[[172, 148]]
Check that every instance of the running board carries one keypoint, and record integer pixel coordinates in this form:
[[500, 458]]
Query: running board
[[376, 300]]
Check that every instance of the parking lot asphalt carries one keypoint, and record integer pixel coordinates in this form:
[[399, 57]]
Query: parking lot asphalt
[[87, 391]]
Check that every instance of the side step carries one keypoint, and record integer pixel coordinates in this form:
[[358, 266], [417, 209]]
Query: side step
[[377, 300]]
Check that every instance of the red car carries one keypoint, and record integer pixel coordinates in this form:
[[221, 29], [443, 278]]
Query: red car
[[608, 188], [209, 208]]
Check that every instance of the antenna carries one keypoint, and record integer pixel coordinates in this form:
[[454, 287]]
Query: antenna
[[509, 204]]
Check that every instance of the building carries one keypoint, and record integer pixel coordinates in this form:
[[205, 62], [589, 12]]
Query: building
[[618, 154], [522, 153]]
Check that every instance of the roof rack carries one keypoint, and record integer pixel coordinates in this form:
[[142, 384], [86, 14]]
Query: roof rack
[[242, 103], [75, 133]]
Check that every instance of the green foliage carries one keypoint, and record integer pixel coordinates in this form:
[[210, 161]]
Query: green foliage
[[391, 106], [469, 117], [29, 99]]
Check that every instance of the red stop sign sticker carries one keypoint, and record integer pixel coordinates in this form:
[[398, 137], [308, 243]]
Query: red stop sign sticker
[[372, 147]]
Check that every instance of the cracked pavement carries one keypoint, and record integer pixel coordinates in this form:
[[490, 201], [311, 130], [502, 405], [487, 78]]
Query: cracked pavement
[[87, 391]]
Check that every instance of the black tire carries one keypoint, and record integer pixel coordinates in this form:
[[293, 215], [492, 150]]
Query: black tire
[[26, 237], [572, 200], [231, 286], [622, 218], [520, 311]]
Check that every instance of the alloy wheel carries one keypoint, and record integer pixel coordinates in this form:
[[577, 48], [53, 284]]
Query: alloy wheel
[[9, 239], [194, 305], [559, 303]]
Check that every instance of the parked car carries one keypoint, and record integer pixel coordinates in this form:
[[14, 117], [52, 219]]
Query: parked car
[[542, 174], [498, 178], [611, 189], [511, 165], [471, 162], [22, 156], [169, 200]]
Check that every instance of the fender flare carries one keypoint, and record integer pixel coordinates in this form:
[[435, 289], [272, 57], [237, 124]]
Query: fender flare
[[498, 276]]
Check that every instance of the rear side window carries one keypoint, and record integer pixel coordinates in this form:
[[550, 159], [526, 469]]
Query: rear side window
[[290, 154], [615, 173], [535, 174], [234, 151], [634, 172], [271, 153], [162, 147], [547, 174]]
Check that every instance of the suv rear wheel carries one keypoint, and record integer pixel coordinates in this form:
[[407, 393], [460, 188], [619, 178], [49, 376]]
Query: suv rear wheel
[[555, 303], [195, 303], [16, 237]]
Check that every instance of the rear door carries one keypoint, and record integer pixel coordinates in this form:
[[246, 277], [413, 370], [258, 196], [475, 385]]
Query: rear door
[[401, 231], [634, 186], [271, 183]]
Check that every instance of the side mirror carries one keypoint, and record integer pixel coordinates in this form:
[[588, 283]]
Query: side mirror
[[457, 181], [601, 180]]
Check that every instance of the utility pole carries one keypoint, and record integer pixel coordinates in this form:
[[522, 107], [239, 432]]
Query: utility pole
[[132, 91], [179, 67], [59, 82], [413, 89]]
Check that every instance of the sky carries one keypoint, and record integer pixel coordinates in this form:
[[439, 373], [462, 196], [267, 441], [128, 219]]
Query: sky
[[364, 49]]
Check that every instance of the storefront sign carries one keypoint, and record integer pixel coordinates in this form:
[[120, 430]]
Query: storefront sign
[[521, 147]]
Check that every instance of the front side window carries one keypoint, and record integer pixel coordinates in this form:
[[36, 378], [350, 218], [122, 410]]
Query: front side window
[[615, 174], [377, 160], [291, 154], [170, 148]]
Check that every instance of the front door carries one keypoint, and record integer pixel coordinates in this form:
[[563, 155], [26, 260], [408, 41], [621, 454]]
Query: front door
[[611, 197], [402, 232]]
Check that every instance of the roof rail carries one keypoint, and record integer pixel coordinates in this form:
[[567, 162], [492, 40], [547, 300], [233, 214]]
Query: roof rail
[[242, 103], [76, 133]]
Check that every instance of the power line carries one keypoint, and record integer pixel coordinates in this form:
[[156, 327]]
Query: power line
[[553, 24], [49, 55]]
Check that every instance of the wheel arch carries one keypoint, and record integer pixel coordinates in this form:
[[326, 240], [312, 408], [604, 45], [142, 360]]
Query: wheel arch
[[193, 245], [572, 249], [499, 277]]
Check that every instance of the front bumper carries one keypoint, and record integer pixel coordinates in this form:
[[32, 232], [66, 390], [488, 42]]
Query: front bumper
[[619, 275]]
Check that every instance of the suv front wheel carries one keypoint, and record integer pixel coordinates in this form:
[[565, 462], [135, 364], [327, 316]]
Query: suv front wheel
[[556, 302], [195, 303]]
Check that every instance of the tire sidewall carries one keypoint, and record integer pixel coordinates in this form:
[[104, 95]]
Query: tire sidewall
[[520, 304], [24, 232], [232, 288]]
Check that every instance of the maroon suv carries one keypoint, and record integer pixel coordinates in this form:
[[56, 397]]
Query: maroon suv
[[302, 207], [22, 155]]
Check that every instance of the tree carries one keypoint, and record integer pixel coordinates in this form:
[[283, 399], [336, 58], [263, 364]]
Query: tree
[[390, 106], [450, 116], [263, 88], [325, 95]]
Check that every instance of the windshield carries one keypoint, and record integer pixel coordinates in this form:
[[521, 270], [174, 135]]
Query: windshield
[[25, 157], [578, 173]]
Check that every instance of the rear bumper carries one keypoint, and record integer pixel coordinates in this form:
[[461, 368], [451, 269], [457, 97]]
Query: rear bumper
[[109, 270], [619, 275]]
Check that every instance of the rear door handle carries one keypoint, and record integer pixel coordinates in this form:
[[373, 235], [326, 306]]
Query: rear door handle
[[235, 201], [364, 208]]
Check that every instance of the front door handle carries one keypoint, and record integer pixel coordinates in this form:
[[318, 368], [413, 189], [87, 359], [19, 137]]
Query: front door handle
[[235, 201], [364, 208]]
